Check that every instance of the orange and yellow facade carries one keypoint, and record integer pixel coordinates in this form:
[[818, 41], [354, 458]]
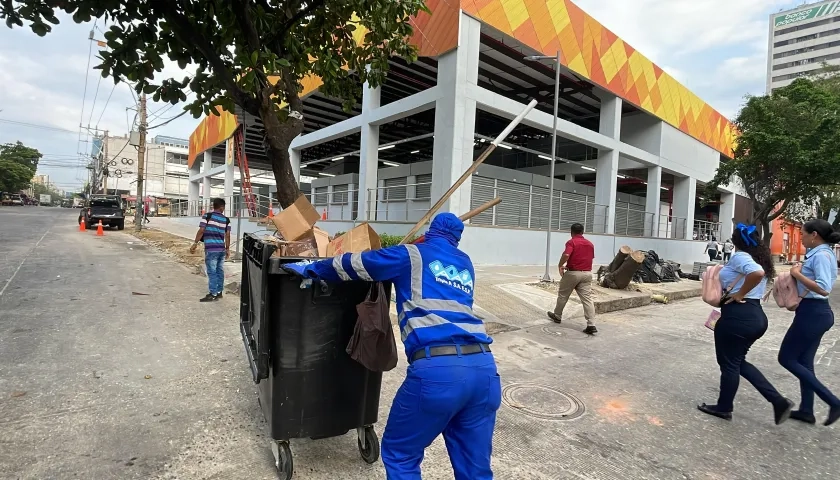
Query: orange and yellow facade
[[587, 48]]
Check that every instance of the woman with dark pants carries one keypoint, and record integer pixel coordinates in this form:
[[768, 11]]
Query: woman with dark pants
[[742, 322], [813, 318]]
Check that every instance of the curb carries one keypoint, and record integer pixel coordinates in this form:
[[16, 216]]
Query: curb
[[642, 301]]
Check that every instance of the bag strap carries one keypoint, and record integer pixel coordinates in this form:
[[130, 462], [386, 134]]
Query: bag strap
[[734, 282]]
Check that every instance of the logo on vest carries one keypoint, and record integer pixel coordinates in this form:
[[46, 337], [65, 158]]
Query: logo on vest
[[450, 275]]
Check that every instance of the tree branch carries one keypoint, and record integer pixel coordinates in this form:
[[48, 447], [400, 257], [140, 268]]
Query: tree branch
[[190, 35], [243, 17], [288, 24]]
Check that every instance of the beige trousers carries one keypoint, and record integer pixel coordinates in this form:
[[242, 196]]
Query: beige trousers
[[580, 282]]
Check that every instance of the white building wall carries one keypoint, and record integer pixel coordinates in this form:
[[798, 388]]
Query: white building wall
[[686, 156]]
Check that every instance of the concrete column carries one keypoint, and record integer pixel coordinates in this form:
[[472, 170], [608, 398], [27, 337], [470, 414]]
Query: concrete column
[[294, 160], [369, 151], [685, 195], [455, 118], [570, 177], [606, 177], [727, 215], [229, 174], [206, 194], [654, 191], [194, 188]]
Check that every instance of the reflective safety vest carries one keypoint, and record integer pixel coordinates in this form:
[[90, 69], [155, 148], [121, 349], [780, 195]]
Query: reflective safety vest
[[433, 282]]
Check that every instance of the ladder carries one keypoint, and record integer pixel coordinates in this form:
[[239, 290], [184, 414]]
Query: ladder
[[244, 172]]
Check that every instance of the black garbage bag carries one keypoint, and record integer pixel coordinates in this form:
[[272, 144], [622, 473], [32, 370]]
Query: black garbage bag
[[650, 271]]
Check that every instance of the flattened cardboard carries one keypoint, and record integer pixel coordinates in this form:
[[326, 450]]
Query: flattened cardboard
[[297, 220], [360, 239], [322, 240]]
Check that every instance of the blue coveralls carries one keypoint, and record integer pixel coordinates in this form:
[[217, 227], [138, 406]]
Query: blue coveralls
[[456, 396]]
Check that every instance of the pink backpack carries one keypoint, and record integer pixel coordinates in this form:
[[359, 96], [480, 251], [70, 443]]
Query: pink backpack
[[786, 292], [712, 290]]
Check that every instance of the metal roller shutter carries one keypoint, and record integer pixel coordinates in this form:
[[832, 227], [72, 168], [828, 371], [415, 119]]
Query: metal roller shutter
[[482, 192], [513, 211], [423, 189], [395, 194]]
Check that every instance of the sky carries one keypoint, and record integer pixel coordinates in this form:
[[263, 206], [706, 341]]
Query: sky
[[717, 48]]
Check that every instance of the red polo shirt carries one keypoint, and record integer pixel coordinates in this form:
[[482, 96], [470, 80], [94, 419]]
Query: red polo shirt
[[581, 253]]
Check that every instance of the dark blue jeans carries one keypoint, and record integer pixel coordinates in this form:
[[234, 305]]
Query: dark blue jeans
[[215, 263], [740, 325], [813, 318]]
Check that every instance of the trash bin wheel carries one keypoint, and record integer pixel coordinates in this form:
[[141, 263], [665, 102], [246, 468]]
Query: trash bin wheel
[[370, 451], [283, 459]]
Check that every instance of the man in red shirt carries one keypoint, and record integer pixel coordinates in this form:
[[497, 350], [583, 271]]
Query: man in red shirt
[[576, 275]]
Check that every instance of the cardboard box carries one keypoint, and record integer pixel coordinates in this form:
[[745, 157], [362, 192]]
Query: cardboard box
[[358, 240], [297, 220], [322, 240]]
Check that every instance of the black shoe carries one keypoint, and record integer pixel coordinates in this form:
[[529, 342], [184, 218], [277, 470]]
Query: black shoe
[[713, 411], [218, 295], [803, 417], [554, 318], [782, 411], [590, 330], [209, 298], [833, 416]]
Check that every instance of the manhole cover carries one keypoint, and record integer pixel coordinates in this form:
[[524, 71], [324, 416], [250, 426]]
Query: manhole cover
[[552, 329], [541, 401]]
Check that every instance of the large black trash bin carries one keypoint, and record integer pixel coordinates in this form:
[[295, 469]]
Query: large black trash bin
[[295, 339]]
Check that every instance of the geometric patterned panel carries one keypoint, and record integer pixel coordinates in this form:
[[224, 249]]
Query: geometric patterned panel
[[212, 131], [593, 51]]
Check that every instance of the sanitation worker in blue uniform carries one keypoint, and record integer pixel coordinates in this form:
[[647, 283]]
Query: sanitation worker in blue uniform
[[451, 387]]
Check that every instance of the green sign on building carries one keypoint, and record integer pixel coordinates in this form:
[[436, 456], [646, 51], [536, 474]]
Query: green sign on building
[[814, 12]]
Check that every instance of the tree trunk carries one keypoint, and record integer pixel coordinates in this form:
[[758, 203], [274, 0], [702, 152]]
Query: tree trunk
[[278, 137], [621, 277], [623, 252]]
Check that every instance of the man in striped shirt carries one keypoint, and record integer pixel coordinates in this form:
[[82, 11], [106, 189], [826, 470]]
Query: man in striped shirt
[[214, 231]]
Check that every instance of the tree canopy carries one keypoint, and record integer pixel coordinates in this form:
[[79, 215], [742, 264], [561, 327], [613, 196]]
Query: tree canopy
[[247, 53], [788, 150], [18, 164]]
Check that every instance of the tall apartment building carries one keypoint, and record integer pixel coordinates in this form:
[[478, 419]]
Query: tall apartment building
[[801, 40]]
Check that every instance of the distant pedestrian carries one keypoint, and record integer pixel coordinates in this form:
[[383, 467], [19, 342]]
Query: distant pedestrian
[[727, 250], [146, 212], [815, 279], [214, 231], [742, 322], [576, 275], [712, 249]]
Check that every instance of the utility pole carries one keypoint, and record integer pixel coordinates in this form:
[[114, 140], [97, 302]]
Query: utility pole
[[141, 156], [105, 161]]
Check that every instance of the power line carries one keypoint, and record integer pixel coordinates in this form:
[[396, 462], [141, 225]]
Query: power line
[[170, 120], [106, 105], [39, 126]]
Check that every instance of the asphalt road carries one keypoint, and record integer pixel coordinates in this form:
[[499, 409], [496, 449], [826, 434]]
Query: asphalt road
[[98, 382]]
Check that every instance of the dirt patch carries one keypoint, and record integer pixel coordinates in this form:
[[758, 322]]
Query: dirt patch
[[178, 248]]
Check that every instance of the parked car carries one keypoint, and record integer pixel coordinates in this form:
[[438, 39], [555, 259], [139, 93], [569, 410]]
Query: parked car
[[107, 208], [13, 199]]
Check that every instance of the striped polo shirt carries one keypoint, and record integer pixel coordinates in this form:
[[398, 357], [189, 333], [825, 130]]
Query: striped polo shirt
[[215, 226]]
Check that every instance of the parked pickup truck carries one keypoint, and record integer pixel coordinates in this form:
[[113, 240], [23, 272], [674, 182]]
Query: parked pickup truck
[[107, 208]]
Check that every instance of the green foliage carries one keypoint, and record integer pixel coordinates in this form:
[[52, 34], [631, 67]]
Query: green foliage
[[236, 46], [14, 177], [387, 240], [18, 164], [788, 150]]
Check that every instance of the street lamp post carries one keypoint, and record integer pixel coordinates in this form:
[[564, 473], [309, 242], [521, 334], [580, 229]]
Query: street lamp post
[[547, 275]]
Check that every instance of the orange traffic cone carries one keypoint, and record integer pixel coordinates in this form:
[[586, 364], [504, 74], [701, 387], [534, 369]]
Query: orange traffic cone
[[99, 231], [324, 214], [81, 225], [270, 210]]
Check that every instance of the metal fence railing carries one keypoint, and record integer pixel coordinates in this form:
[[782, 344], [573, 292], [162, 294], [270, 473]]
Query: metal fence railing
[[704, 230]]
